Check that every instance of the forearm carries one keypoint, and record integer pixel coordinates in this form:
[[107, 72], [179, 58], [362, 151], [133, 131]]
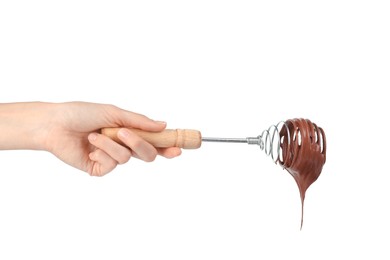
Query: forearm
[[22, 125]]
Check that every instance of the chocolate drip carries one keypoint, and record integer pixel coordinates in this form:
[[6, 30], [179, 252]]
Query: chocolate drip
[[305, 155]]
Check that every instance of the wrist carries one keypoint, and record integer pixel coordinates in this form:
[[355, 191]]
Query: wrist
[[25, 125]]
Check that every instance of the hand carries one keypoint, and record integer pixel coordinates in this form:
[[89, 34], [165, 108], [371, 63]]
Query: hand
[[75, 137], [71, 132]]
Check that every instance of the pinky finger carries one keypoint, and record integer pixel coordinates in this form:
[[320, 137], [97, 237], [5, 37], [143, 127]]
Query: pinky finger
[[101, 163], [170, 152]]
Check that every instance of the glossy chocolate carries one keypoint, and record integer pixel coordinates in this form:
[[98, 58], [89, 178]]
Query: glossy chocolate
[[305, 155]]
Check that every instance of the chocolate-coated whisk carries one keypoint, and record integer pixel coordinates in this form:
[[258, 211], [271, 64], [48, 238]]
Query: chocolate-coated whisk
[[269, 141], [298, 145]]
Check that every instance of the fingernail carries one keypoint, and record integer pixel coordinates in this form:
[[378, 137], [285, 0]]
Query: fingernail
[[123, 133], [92, 137], [161, 122]]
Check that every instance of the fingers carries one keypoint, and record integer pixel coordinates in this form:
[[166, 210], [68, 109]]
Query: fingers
[[170, 152], [142, 149], [109, 153], [101, 164], [116, 151]]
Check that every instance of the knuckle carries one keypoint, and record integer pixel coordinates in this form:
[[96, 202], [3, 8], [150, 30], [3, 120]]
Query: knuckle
[[111, 107], [109, 110], [95, 171], [144, 118]]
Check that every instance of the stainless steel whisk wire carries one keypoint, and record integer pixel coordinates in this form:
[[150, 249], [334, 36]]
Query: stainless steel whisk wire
[[266, 141]]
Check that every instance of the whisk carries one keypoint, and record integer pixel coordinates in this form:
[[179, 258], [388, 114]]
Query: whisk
[[270, 140], [298, 145]]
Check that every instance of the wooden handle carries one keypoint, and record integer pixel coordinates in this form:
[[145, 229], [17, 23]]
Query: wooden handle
[[183, 138]]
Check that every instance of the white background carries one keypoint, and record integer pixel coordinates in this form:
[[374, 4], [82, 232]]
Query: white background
[[227, 68]]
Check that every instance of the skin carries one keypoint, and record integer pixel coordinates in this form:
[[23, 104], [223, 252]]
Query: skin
[[70, 131]]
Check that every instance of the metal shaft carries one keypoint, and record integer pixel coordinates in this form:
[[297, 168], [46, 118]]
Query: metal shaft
[[224, 140], [248, 140]]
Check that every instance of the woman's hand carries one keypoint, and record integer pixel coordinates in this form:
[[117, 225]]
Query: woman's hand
[[71, 131]]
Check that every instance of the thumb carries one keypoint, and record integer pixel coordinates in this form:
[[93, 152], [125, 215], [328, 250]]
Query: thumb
[[124, 118]]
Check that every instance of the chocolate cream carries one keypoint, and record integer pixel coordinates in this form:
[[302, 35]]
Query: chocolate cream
[[305, 155]]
